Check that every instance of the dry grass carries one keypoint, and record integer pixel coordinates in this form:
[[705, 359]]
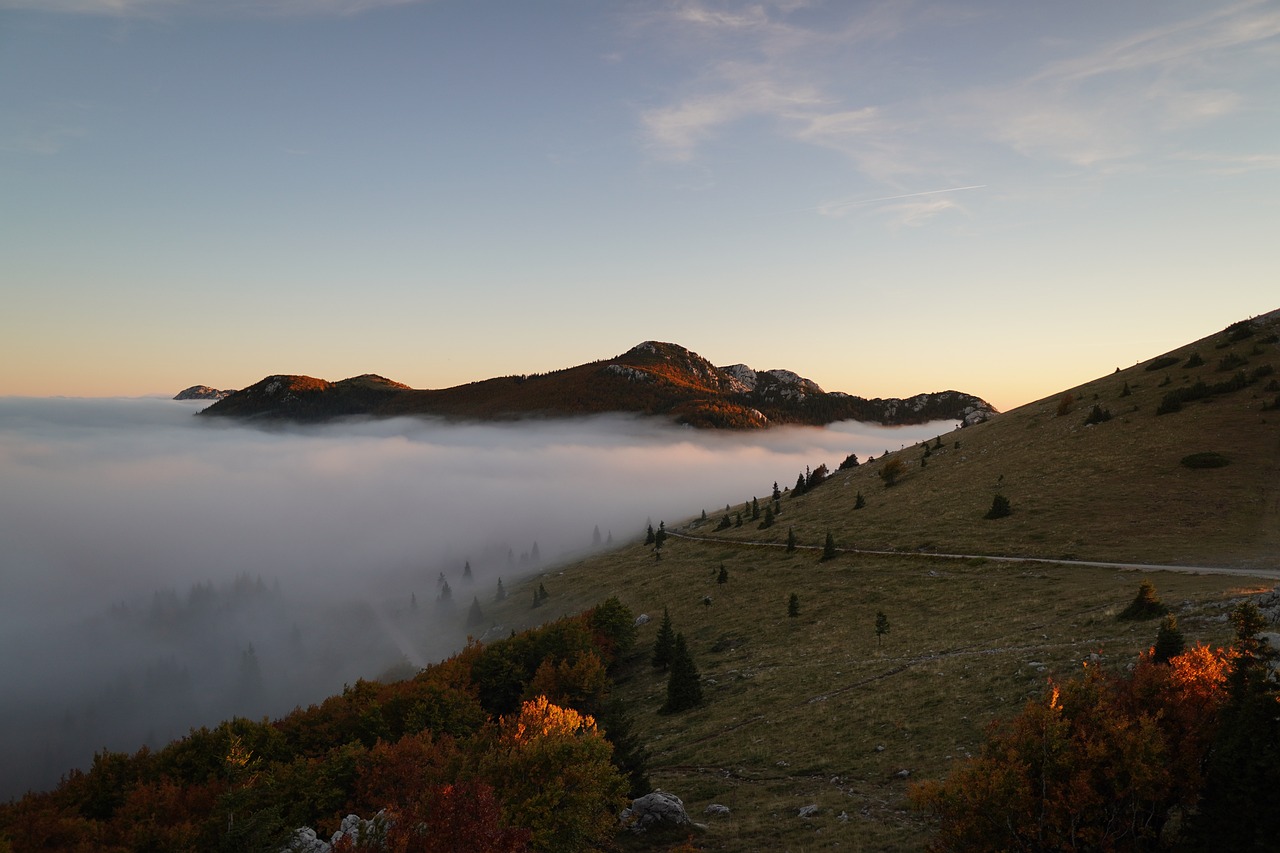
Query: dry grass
[[812, 710]]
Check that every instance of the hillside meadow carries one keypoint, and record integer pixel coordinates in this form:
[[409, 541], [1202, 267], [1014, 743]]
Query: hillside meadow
[[818, 709]]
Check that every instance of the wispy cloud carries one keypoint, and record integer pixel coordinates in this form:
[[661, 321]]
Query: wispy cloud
[[208, 8]]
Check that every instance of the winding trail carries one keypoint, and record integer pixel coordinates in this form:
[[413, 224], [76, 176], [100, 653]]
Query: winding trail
[[1271, 574]]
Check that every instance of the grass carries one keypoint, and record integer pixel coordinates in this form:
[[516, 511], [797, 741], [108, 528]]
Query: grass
[[813, 710]]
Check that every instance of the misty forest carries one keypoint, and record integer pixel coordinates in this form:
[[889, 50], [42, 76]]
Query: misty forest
[[1051, 629]]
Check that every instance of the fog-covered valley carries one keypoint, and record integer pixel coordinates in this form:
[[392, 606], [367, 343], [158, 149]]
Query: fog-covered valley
[[162, 572]]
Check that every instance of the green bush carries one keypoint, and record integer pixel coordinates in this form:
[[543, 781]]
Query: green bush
[[999, 508], [1207, 459], [1162, 362]]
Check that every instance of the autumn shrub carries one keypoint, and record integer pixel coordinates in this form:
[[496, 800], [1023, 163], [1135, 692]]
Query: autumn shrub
[[1102, 762]]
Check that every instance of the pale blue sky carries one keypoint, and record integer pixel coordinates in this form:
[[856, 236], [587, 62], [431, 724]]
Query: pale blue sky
[[1005, 198]]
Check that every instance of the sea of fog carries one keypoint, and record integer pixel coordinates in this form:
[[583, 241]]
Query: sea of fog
[[159, 571]]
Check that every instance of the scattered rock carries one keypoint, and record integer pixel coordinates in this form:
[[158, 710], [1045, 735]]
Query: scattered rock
[[902, 774], [879, 747], [843, 817], [642, 619], [717, 810], [653, 811], [809, 810]]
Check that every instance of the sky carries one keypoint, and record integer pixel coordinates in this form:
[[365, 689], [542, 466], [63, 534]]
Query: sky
[[999, 197]]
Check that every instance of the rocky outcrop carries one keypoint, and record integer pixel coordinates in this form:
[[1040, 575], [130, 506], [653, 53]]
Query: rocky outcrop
[[201, 392]]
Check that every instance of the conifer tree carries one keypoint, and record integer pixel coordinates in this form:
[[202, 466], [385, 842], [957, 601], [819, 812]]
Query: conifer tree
[[1169, 641], [737, 521], [476, 615], [793, 606], [595, 537], [446, 595], [859, 502], [829, 547], [791, 539], [999, 508], [777, 493], [723, 577], [684, 688], [466, 571], [755, 509], [665, 642], [768, 518], [650, 537], [501, 593], [1145, 605], [882, 626]]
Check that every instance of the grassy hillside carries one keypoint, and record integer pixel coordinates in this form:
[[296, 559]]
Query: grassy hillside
[[813, 710]]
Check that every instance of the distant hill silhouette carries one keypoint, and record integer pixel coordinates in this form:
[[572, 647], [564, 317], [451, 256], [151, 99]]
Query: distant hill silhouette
[[652, 378]]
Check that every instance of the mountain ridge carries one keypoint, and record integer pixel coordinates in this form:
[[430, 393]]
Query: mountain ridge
[[652, 378]]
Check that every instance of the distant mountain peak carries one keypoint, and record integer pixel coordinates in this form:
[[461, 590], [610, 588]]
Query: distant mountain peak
[[651, 378]]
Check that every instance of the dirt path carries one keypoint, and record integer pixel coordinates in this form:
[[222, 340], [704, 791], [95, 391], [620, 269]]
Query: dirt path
[[1272, 574]]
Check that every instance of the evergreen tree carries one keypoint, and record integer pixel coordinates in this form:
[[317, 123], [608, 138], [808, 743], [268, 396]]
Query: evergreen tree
[[466, 571], [542, 592], [799, 489], [413, 602], [755, 509], [1169, 641], [793, 606], [768, 518], [1237, 810], [629, 753], [723, 577], [1145, 605], [595, 537], [829, 547], [791, 539], [725, 523], [684, 688], [476, 615], [665, 642], [859, 502], [501, 593], [737, 521], [650, 537], [533, 555], [777, 494], [999, 508], [882, 626], [445, 597]]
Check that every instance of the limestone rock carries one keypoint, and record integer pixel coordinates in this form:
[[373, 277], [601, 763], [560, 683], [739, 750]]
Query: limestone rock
[[656, 810]]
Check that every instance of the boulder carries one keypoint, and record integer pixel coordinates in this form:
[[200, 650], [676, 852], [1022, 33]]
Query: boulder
[[658, 810], [716, 810]]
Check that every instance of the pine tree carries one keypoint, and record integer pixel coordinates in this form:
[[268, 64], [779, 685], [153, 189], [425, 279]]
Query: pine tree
[[466, 571], [737, 521], [664, 645], [793, 606], [791, 539], [501, 593], [533, 555], [723, 577], [1145, 605], [650, 537], [882, 626], [829, 547], [777, 493], [768, 518], [1169, 641], [859, 502], [684, 688], [476, 615], [755, 509], [446, 595], [999, 508], [595, 537]]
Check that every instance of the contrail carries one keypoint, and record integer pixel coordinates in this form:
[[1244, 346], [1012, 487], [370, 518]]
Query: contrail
[[843, 204]]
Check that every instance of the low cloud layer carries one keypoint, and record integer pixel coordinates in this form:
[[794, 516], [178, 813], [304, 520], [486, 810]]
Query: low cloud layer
[[162, 571]]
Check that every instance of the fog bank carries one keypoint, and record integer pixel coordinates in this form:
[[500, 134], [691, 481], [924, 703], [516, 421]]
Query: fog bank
[[162, 571]]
